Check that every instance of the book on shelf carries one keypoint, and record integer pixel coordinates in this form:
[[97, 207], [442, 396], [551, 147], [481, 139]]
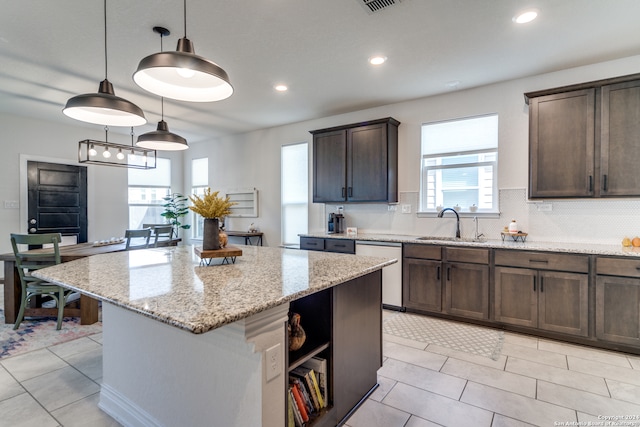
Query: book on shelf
[[302, 388], [302, 407], [319, 366], [308, 377], [295, 418]]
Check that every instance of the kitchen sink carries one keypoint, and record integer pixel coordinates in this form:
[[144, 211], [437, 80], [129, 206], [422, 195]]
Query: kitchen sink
[[452, 239]]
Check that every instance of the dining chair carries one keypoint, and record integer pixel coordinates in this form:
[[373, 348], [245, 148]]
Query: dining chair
[[26, 263], [137, 239], [162, 232]]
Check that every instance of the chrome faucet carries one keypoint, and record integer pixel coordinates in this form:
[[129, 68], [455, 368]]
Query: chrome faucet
[[441, 213], [477, 236]]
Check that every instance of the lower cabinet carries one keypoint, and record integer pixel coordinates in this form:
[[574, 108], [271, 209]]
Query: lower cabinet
[[446, 280], [346, 246], [343, 327], [540, 297], [618, 300]]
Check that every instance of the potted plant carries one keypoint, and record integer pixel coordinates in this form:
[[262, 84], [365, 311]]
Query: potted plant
[[211, 207], [175, 207]]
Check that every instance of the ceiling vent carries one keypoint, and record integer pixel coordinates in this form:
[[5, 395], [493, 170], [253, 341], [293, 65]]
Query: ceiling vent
[[373, 6]]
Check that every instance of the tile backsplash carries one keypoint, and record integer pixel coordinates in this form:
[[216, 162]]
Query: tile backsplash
[[602, 221]]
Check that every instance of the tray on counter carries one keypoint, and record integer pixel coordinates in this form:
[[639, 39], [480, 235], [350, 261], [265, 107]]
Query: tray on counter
[[515, 236]]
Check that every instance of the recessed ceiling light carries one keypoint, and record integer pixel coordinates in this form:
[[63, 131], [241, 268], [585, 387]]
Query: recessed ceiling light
[[377, 60], [281, 88], [526, 16]]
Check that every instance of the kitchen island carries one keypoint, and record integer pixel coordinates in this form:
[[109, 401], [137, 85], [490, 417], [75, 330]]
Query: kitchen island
[[185, 344]]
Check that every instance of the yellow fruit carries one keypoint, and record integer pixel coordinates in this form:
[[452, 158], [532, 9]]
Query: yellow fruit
[[626, 242], [636, 242]]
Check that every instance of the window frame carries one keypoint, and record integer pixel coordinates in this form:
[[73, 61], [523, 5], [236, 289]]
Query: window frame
[[156, 204], [425, 169]]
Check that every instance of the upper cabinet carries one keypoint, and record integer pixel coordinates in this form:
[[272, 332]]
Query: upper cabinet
[[584, 140], [356, 163]]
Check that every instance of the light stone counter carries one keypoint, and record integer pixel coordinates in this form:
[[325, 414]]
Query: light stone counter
[[508, 243], [169, 285]]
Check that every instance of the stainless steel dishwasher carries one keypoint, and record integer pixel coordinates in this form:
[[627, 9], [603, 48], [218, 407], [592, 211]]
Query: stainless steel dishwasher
[[391, 274]]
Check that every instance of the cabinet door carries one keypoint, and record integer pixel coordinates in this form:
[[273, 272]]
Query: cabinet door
[[516, 296], [367, 163], [563, 302], [619, 144], [467, 290], [617, 309], [561, 144], [329, 166], [422, 284]]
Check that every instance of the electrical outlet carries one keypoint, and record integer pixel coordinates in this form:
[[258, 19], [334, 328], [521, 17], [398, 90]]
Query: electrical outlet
[[406, 209], [392, 208], [273, 357], [544, 207]]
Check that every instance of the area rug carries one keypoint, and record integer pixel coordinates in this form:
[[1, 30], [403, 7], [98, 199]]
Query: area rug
[[454, 335], [34, 334]]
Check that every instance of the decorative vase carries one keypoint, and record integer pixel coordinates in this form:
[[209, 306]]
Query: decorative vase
[[297, 336], [224, 239], [210, 235]]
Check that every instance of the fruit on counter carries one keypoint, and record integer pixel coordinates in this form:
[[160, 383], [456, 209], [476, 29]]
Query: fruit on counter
[[636, 242], [626, 242]]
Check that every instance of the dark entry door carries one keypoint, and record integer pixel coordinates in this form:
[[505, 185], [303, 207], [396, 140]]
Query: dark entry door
[[57, 199]]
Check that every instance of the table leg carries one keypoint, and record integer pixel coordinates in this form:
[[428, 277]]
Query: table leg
[[12, 292], [88, 310]]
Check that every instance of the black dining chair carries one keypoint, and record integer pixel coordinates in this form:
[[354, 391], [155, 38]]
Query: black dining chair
[[137, 239], [27, 263]]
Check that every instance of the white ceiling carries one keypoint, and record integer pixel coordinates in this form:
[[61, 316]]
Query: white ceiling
[[53, 50]]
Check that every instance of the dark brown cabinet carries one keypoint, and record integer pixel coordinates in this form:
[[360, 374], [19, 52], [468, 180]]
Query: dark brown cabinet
[[356, 163], [618, 300], [584, 140], [530, 291], [447, 280], [345, 246]]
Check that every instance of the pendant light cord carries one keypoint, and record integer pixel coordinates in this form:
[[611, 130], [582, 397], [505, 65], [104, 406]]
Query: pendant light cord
[[185, 18], [105, 40]]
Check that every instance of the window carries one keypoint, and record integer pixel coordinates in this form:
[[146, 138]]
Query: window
[[199, 183], [295, 192], [147, 188], [460, 164]]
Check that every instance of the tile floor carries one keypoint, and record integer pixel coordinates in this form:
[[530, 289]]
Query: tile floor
[[534, 382]]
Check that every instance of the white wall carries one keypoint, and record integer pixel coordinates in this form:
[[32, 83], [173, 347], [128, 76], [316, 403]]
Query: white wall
[[253, 160], [25, 139]]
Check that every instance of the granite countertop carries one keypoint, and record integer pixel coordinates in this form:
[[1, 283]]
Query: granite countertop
[[508, 243], [170, 285]]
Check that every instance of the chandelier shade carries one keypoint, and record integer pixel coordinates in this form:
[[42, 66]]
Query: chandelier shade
[[162, 139], [183, 75], [109, 154], [104, 108]]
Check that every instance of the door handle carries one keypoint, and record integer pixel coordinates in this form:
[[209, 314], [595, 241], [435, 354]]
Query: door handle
[[32, 230], [542, 284], [350, 191], [605, 185], [438, 273], [32, 221], [534, 283], [448, 274], [343, 193], [590, 183]]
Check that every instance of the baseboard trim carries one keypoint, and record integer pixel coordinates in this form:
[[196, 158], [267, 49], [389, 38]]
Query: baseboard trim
[[124, 410]]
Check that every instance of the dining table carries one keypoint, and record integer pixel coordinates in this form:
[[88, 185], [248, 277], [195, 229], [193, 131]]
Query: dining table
[[88, 309]]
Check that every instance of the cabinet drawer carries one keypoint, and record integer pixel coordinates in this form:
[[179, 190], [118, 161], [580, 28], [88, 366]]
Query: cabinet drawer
[[340, 245], [422, 251], [543, 260], [312, 243], [618, 267], [476, 256]]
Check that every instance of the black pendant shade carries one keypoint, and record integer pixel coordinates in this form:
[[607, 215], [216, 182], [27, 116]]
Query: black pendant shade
[[104, 108], [162, 139]]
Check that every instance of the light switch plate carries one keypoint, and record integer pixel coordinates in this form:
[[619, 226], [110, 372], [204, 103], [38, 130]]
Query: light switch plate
[[406, 209]]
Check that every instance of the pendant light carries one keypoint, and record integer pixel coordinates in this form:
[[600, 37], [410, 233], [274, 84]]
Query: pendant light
[[104, 107], [107, 153], [183, 75], [162, 139]]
